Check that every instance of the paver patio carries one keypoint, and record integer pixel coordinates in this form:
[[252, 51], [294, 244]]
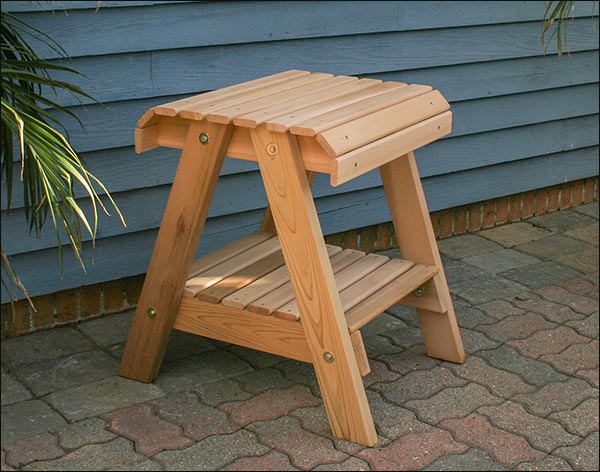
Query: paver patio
[[526, 298]]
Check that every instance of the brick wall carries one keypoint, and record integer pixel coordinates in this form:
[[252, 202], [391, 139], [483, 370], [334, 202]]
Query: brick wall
[[118, 295]]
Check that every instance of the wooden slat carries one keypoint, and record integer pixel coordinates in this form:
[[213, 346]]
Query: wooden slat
[[219, 272], [242, 298], [388, 295], [343, 85], [227, 252], [343, 279], [198, 111], [337, 117], [374, 155], [226, 115], [356, 133], [243, 328], [268, 303], [361, 354], [365, 88]]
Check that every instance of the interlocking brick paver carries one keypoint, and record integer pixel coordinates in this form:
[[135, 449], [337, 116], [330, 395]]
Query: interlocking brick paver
[[581, 286], [515, 234], [452, 402], [540, 275], [43, 345], [545, 464], [484, 289], [466, 245], [587, 327], [469, 317], [418, 385], [424, 448], [262, 380], [552, 311], [37, 448], [583, 456], [516, 327], [305, 449], [108, 330], [379, 373], [500, 382], [105, 456], [90, 431], [150, 433], [144, 464], [411, 359], [352, 463], [300, 373], [475, 341], [561, 221], [556, 396], [500, 261], [70, 371], [393, 421], [548, 341], [213, 452], [589, 209], [581, 420], [100, 397], [12, 391], [541, 433], [269, 405], [197, 420], [473, 459], [574, 358], [273, 460], [376, 345], [552, 247], [500, 309], [26, 419], [182, 344], [257, 359], [223, 391], [591, 375], [578, 303], [506, 448], [3, 465], [588, 234], [457, 271], [405, 337], [531, 371]]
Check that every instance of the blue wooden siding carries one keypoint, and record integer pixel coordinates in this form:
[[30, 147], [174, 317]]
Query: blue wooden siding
[[522, 119]]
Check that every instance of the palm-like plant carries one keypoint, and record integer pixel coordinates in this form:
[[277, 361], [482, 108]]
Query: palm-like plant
[[50, 169]]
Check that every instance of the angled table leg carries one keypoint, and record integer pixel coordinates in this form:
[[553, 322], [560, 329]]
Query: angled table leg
[[306, 257], [176, 244], [414, 233]]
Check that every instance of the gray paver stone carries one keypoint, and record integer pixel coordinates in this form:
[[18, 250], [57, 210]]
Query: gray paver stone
[[540, 275], [561, 221], [500, 261], [584, 456], [584, 261], [589, 209], [484, 289], [473, 459], [28, 418], [458, 271], [89, 431], [552, 247], [514, 234], [11, 390], [466, 245], [108, 330]]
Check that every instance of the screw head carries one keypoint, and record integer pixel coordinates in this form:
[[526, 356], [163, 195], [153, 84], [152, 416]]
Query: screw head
[[272, 149], [204, 138], [420, 291], [151, 313], [328, 356]]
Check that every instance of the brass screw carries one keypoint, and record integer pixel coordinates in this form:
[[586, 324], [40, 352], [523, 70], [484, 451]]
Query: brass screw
[[420, 291], [328, 356], [204, 138], [151, 313], [272, 149]]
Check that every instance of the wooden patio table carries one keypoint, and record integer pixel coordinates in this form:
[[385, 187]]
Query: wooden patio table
[[281, 289]]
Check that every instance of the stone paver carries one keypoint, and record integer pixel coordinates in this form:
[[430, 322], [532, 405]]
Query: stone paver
[[474, 459], [223, 391], [552, 247], [589, 209], [499, 309], [586, 327], [588, 234], [38, 448], [584, 456], [393, 421], [26, 419], [379, 374], [257, 359], [578, 303], [90, 431], [457, 271], [485, 289], [101, 397], [540, 274], [352, 463], [13, 391], [108, 330], [561, 221], [260, 381], [581, 420], [591, 375], [271, 461], [212, 453], [500, 261], [545, 464], [515, 234], [516, 327], [555, 312], [466, 245], [548, 341], [411, 359], [574, 358]]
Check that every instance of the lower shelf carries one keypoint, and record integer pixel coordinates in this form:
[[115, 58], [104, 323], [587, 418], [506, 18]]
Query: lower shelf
[[250, 275]]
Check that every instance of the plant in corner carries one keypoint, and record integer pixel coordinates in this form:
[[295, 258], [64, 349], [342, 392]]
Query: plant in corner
[[49, 169]]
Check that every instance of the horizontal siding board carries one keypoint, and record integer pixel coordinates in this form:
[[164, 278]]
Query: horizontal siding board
[[54, 6], [129, 254], [188, 25]]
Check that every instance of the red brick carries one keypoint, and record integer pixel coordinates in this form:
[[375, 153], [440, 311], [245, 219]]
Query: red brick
[[574, 358], [577, 193], [541, 202], [596, 180], [113, 296], [334, 239], [588, 190], [271, 461], [528, 207], [38, 448], [446, 223], [269, 405], [460, 220], [435, 223], [489, 214], [516, 327], [350, 239], [43, 317], [19, 318], [506, 448], [549, 341], [566, 196], [553, 199], [66, 306], [474, 217], [501, 210], [368, 236], [514, 208], [89, 301], [384, 236], [413, 451], [150, 433]]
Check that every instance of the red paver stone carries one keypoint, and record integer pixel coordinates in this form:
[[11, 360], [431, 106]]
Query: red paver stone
[[305, 450], [150, 433], [379, 373], [578, 303], [37, 448], [506, 448], [591, 375], [552, 311], [574, 358], [581, 286], [516, 327], [269, 405], [501, 382], [581, 420], [271, 461], [413, 451], [549, 341], [500, 309]]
